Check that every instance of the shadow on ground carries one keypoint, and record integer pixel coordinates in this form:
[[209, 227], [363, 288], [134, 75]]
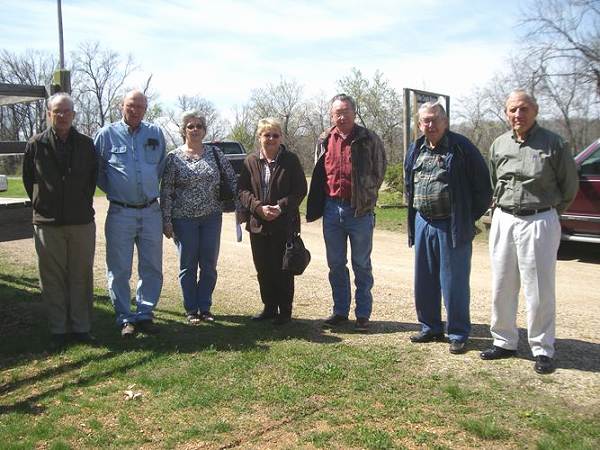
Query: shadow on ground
[[24, 342]]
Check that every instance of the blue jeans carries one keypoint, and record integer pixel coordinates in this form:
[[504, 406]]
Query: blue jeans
[[198, 241], [339, 224], [441, 270], [124, 228]]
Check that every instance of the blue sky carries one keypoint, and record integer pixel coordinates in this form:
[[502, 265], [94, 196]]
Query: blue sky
[[223, 49]]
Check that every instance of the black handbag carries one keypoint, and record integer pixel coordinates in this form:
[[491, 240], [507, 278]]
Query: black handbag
[[226, 195], [296, 256]]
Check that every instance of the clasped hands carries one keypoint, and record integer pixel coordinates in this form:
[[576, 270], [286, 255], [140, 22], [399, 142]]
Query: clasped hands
[[269, 212]]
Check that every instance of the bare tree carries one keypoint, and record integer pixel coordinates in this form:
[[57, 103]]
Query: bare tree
[[22, 121], [479, 117], [170, 117], [380, 108], [243, 128], [315, 116], [566, 33], [99, 83], [282, 101]]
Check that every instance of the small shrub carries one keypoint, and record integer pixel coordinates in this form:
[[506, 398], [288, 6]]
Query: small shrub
[[394, 177]]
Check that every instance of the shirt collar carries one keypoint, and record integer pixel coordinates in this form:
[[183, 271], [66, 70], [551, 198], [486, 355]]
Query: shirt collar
[[57, 138], [350, 135], [264, 159], [128, 128], [530, 133], [442, 145]]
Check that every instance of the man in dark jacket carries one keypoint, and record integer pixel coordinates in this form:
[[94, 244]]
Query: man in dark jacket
[[59, 174], [349, 169], [448, 189]]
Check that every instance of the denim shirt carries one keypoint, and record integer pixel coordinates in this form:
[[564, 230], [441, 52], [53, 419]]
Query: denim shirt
[[130, 164]]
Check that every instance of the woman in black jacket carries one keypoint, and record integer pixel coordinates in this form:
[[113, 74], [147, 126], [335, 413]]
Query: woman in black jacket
[[271, 187]]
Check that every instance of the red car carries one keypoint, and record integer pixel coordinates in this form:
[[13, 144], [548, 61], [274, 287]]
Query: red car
[[581, 221]]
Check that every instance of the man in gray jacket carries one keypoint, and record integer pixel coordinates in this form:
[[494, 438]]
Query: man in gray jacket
[[349, 169]]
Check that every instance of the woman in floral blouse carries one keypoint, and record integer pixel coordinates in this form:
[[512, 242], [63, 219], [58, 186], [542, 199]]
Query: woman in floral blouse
[[192, 213]]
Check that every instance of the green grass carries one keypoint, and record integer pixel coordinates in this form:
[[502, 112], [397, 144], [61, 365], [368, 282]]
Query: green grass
[[17, 190], [241, 384]]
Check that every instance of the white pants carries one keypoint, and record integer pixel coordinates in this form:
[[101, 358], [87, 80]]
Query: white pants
[[523, 252]]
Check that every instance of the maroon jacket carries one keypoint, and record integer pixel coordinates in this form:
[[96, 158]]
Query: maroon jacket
[[287, 188]]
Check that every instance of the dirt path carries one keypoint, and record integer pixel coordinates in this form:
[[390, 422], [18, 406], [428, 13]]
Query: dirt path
[[578, 309]]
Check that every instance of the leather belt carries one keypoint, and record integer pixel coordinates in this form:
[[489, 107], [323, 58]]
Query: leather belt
[[524, 212], [126, 205]]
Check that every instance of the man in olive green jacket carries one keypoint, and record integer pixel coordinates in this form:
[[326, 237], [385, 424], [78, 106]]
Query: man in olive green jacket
[[535, 179]]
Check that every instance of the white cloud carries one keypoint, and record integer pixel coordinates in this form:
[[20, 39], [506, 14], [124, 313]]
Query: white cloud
[[224, 49]]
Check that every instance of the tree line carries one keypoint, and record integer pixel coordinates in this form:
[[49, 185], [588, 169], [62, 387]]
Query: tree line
[[559, 64]]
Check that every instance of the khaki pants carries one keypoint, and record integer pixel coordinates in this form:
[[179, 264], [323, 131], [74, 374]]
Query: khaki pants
[[523, 253], [66, 261]]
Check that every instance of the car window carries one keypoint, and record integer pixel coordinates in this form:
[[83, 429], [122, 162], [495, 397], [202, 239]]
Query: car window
[[591, 165], [228, 148]]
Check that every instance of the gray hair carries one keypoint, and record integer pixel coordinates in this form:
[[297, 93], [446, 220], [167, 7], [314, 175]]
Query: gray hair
[[430, 106], [57, 98], [343, 98], [523, 93], [186, 117]]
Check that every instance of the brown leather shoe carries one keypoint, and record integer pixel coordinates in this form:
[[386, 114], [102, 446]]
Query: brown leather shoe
[[334, 320], [362, 324]]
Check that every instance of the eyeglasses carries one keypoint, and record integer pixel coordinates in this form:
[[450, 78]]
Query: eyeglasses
[[271, 136], [61, 112], [342, 113], [191, 126]]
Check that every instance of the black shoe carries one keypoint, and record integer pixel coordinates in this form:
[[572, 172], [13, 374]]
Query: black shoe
[[362, 324], [423, 337], [265, 314], [128, 330], [147, 327], [543, 364], [207, 316], [457, 347], [282, 320], [497, 353], [83, 338], [335, 320]]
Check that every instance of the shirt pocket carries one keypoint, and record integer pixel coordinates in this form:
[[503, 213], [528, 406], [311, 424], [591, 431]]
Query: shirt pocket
[[118, 156], [539, 164], [152, 155]]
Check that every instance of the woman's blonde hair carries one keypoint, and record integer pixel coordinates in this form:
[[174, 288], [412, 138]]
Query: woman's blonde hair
[[268, 123]]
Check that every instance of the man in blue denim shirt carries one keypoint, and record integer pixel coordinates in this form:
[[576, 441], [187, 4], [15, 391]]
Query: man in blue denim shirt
[[131, 158], [448, 189]]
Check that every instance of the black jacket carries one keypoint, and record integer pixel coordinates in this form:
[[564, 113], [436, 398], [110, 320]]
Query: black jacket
[[60, 194], [287, 188]]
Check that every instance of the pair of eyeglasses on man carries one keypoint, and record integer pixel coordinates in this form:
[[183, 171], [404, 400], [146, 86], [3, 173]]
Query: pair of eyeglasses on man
[[271, 136], [191, 126]]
